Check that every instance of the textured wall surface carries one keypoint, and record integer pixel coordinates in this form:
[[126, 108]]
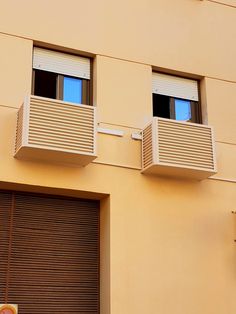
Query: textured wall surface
[[166, 244]]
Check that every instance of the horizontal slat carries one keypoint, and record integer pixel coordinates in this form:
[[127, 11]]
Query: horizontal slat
[[19, 130], [147, 161], [184, 135], [190, 158], [147, 137], [183, 144], [56, 137], [85, 128], [61, 107], [186, 144], [180, 150], [66, 120], [61, 63], [61, 125], [52, 282], [47, 144], [52, 275], [49, 140], [55, 255], [59, 132], [193, 162], [48, 104], [176, 133], [186, 148], [186, 158], [183, 156], [147, 155], [59, 118], [174, 86], [147, 145], [182, 125], [5, 206], [185, 163]]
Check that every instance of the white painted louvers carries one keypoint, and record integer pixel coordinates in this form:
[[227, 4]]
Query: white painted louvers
[[19, 131], [56, 131], [178, 148], [174, 86], [61, 63], [147, 147]]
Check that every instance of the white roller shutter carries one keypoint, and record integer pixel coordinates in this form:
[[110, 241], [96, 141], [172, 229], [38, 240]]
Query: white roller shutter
[[61, 63], [174, 86]]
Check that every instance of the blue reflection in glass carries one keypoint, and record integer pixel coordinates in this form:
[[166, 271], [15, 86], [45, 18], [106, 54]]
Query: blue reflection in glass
[[182, 110], [72, 90]]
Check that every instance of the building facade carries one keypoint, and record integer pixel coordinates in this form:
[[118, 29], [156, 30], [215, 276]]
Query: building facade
[[117, 156]]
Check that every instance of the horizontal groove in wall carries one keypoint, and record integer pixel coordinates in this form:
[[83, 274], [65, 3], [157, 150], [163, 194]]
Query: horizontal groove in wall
[[222, 3], [116, 165], [11, 107], [108, 56], [223, 179], [118, 125]]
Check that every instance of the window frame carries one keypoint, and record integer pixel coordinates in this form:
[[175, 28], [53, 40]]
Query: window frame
[[86, 94], [196, 107], [195, 110]]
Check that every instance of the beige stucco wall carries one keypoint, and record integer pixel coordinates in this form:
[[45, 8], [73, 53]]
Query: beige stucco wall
[[166, 244], [16, 69], [123, 92], [221, 97], [182, 35]]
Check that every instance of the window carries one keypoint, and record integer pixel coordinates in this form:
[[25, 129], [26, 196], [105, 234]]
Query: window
[[175, 98], [61, 76]]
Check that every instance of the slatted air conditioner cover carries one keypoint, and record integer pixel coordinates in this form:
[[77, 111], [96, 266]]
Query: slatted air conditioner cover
[[56, 131], [180, 149]]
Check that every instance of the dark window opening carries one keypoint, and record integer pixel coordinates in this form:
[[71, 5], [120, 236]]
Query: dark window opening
[[175, 108], [45, 84], [57, 86], [161, 106]]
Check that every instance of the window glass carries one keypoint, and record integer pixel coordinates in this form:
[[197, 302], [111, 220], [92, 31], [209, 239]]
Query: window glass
[[72, 90], [182, 110]]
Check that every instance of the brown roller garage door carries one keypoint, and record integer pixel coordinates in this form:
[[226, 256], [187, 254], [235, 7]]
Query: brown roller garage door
[[49, 254]]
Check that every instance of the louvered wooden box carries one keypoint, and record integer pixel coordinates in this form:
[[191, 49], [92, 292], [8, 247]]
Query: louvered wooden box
[[56, 131], [179, 149]]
